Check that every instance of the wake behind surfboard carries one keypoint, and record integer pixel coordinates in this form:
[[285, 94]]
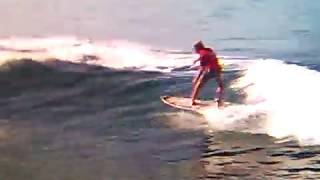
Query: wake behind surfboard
[[185, 103]]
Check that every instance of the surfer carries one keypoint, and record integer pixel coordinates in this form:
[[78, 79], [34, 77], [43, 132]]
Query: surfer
[[209, 68]]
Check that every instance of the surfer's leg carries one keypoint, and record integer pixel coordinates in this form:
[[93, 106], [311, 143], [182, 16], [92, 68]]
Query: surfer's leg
[[219, 90], [197, 87], [206, 77], [194, 81]]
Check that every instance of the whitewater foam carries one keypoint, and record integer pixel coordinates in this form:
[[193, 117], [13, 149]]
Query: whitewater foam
[[113, 54], [118, 54], [287, 94]]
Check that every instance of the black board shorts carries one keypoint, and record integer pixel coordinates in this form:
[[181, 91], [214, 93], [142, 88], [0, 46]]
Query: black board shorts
[[207, 75]]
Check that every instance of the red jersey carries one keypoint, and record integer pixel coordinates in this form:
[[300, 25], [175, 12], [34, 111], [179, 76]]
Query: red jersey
[[209, 59]]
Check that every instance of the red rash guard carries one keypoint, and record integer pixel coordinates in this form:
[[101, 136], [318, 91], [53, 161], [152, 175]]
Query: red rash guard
[[209, 59]]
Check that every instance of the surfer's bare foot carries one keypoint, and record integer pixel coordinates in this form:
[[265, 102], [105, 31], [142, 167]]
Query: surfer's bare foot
[[194, 103]]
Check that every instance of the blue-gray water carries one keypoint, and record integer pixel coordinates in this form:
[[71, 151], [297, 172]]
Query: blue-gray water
[[80, 85]]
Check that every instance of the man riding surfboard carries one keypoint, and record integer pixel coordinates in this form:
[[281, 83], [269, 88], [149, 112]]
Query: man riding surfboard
[[209, 68]]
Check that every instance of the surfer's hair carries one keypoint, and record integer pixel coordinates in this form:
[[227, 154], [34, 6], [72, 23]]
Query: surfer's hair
[[199, 46]]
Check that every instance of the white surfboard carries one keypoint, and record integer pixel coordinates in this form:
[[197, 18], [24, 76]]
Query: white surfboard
[[184, 103]]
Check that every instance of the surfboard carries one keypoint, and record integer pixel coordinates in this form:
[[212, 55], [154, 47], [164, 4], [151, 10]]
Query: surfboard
[[184, 103]]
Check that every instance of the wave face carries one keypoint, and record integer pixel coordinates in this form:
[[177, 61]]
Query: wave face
[[277, 92], [96, 103]]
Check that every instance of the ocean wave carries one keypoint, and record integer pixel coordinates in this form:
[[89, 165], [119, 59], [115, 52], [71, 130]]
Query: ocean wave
[[286, 95], [112, 54]]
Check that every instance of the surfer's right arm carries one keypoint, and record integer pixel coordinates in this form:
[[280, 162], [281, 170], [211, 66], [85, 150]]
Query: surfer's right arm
[[195, 61]]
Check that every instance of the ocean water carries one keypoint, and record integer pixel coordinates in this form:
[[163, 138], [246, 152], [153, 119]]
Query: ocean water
[[81, 80]]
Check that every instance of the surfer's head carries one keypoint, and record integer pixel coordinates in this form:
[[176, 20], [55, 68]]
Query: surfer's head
[[198, 46]]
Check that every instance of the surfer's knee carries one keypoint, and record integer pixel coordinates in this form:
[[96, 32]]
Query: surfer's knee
[[220, 83]]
